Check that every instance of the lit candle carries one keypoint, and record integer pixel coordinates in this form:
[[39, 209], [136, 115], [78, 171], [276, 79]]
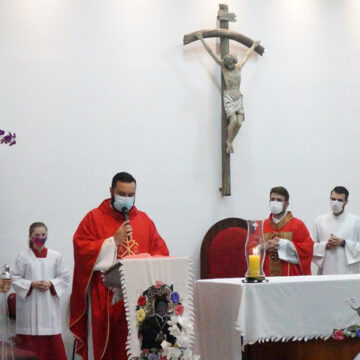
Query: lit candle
[[254, 266]]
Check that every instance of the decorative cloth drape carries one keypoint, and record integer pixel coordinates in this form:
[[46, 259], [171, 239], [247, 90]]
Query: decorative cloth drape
[[138, 275]]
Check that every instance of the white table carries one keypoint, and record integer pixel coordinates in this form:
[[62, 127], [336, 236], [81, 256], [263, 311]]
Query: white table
[[230, 313]]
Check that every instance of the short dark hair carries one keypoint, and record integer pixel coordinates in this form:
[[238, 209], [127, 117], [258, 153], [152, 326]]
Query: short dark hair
[[280, 190], [123, 177], [340, 190]]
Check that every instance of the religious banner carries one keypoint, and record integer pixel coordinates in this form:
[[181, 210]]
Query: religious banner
[[158, 298]]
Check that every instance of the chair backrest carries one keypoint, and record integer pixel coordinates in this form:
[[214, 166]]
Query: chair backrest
[[223, 250]]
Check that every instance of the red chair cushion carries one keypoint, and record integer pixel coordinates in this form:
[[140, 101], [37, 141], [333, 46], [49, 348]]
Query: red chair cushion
[[227, 254]]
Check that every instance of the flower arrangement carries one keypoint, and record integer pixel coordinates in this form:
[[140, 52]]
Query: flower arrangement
[[145, 302], [350, 332], [9, 138], [178, 327]]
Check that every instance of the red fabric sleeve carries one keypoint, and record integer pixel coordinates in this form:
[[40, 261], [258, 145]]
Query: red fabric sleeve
[[158, 245], [52, 290], [304, 247]]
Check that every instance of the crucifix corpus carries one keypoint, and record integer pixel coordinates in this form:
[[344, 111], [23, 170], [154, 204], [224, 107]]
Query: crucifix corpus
[[232, 102]]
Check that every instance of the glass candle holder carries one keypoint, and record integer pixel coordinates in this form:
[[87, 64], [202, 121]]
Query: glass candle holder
[[255, 251], [6, 275], [7, 347]]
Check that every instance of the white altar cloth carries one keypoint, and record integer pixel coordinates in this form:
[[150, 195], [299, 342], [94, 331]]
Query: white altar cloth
[[230, 313]]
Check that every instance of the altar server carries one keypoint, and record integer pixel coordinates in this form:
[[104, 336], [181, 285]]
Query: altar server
[[40, 278], [337, 237]]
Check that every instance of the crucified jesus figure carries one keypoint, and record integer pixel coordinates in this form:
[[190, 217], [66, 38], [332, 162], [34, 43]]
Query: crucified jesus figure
[[233, 99]]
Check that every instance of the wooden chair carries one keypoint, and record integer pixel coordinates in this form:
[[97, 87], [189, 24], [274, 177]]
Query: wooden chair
[[222, 252]]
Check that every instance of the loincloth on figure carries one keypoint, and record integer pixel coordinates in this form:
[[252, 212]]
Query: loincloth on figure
[[233, 104]]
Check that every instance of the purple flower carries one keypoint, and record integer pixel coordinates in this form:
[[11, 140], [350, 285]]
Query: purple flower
[[7, 139], [175, 297], [358, 332], [153, 356]]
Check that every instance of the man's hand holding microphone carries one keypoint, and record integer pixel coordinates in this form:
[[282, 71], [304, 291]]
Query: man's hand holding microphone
[[124, 231]]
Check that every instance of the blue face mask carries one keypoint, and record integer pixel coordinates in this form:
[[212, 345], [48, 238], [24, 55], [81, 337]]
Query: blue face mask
[[121, 202]]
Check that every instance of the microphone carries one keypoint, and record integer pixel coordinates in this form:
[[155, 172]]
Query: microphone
[[125, 212]]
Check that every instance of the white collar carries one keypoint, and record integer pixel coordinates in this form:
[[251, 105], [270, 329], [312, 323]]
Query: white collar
[[339, 217], [276, 221]]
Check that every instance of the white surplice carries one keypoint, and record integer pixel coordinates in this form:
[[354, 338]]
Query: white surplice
[[39, 312], [341, 259]]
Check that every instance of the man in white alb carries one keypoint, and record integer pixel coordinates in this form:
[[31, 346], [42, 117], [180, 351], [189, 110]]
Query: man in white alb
[[337, 238]]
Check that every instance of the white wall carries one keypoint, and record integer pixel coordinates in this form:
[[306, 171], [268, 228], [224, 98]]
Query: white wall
[[93, 87]]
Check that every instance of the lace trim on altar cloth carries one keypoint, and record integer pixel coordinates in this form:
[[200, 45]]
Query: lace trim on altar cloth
[[285, 339]]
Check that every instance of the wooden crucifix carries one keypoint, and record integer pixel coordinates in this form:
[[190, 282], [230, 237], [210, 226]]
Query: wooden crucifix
[[232, 106]]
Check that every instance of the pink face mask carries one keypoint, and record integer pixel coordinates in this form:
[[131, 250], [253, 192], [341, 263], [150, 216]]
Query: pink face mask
[[39, 241]]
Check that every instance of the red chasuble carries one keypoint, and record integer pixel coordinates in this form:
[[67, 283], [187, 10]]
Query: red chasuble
[[294, 230], [108, 321]]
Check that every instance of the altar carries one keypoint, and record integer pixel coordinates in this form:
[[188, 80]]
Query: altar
[[301, 311]]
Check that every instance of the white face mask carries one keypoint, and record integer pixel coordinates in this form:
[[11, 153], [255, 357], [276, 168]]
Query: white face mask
[[336, 206], [276, 207], [121, 202]]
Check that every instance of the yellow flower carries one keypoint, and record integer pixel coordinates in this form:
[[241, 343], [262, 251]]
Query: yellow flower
[[140, 315]]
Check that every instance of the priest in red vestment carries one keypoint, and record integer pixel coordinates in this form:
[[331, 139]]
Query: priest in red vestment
[[102, 236], [289, 246]]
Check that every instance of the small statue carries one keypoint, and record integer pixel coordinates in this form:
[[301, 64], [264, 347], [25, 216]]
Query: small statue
[[233, 100], [155, 329]]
